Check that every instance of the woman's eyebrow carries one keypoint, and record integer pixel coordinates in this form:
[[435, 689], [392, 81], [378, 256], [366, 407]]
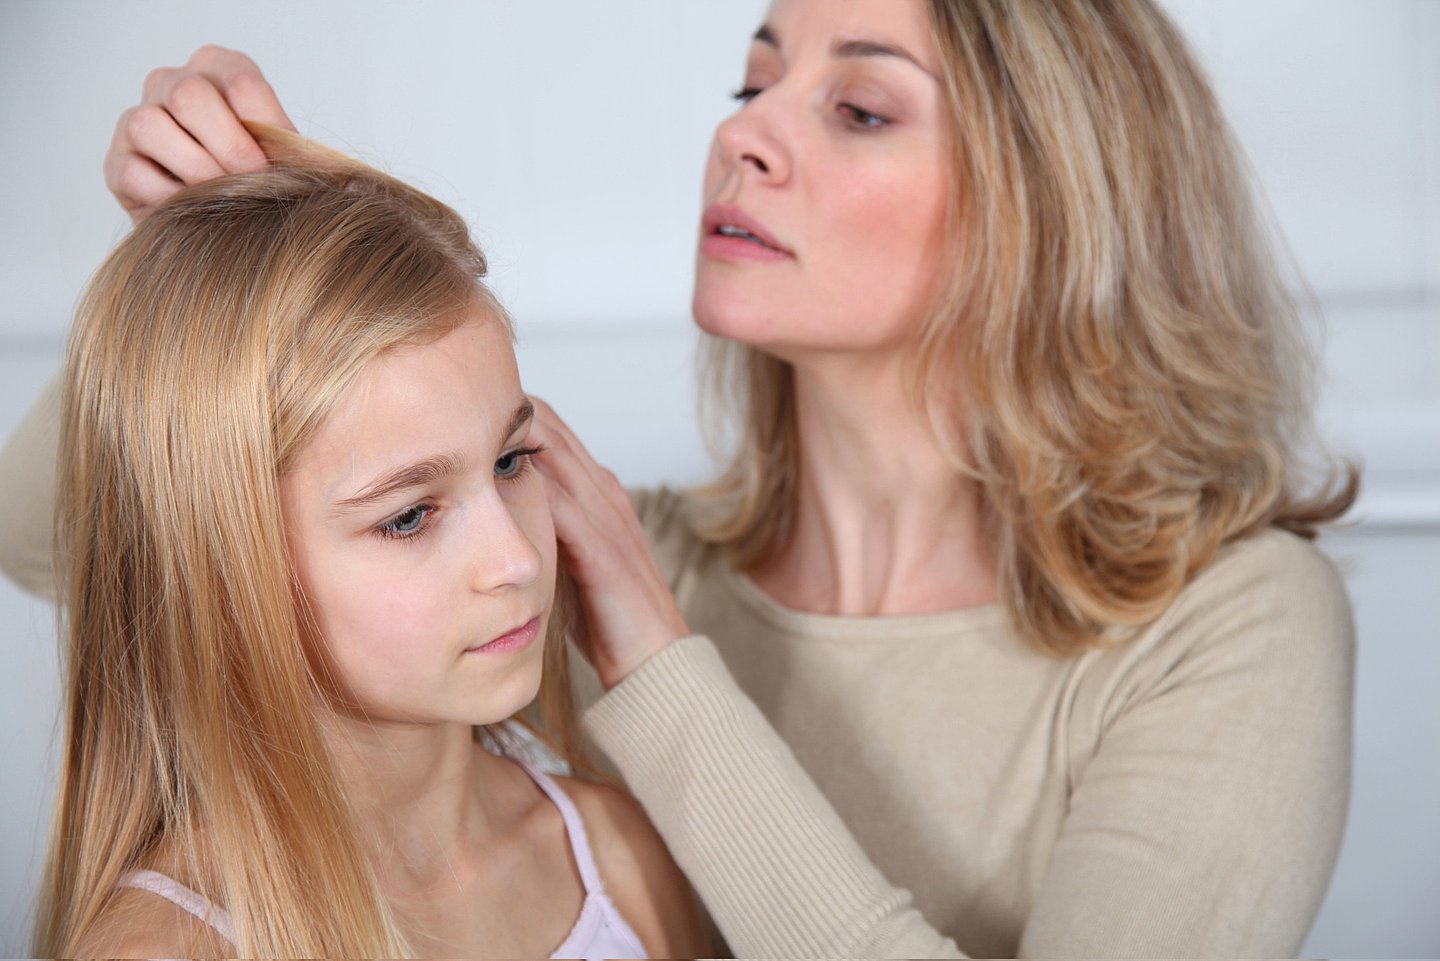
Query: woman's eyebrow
[[874, 48], [848, 49]]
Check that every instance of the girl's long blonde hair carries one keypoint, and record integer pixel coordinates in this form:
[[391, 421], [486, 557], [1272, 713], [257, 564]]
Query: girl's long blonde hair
[[206, 352], [1115, 357]]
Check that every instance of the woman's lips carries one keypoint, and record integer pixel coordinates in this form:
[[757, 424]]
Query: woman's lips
[[516, 640], [729, 233]]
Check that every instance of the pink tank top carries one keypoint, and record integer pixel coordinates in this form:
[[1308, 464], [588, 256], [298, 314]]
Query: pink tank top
[[599, 933]]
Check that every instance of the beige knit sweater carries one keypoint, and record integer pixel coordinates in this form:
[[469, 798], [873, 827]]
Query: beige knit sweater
[[929, 785]]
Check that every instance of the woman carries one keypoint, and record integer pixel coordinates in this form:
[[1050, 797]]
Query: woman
[[996, 636], [308, 560]]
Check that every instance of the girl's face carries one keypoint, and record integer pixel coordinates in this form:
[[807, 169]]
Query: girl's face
[[826, 192], [421, 534]]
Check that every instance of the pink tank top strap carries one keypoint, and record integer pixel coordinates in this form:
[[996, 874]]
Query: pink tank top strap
[[601, 931], [182, 897], [574, 828]]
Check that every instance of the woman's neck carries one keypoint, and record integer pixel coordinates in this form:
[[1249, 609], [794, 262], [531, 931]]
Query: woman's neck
[[885, 522]]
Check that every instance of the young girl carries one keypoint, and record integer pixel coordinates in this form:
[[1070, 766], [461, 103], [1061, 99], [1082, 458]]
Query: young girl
[[306, 560]]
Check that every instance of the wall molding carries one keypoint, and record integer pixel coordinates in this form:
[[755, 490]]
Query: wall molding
[[1398, 494]]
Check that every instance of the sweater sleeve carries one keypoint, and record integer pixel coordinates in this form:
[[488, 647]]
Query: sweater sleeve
[[1208, 820], [1205, 823], [27, 496], [777, 869]]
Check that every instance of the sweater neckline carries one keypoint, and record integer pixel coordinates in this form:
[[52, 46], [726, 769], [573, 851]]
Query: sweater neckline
[[985, 617]]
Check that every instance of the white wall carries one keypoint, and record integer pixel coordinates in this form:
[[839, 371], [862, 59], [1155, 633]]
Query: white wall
[[575, 148]]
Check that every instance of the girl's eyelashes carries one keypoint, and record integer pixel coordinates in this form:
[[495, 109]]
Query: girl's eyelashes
[[747, 94], [417, 520], [515, 464], [409, 524]]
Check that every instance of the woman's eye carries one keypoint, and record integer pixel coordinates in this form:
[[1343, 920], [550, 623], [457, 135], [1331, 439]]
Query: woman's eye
[[515, 463], [747, 93], [860, 117], [407, 523]]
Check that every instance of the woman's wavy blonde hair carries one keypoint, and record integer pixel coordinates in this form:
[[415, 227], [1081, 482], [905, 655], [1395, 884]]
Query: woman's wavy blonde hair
[[207, 351], [1115, 357]]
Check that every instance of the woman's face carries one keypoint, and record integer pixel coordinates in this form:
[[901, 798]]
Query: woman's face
[[422, 536], [826, 192]]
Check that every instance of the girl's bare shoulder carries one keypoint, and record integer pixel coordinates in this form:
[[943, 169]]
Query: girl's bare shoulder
[[139, 924], [640, 876]]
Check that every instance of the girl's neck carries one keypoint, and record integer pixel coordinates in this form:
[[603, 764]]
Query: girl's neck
[[421, 794], [885, 522]]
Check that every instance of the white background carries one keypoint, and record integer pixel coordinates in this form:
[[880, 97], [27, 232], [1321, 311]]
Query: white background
[[572, 135]]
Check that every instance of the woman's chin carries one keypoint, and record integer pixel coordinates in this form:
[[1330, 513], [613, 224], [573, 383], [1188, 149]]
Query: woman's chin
[[725, 318]]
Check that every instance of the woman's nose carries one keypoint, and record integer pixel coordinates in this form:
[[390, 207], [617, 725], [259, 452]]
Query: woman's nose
[[751, 142]]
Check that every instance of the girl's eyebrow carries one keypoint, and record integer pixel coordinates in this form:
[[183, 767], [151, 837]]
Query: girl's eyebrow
[[426, 471], [847, 49], [421, 472]]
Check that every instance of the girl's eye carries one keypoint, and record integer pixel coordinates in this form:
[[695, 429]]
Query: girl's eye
[[410, 522], [860, 117], [747, 94], [514, 464]]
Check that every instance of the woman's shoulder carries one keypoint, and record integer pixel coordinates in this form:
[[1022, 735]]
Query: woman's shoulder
[[138, 924], [669, 517], [640, 876], [1272, 572], [663, 508], [1266, 602]]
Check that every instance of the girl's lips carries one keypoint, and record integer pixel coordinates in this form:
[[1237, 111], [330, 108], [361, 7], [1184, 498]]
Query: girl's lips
[[516, 640]]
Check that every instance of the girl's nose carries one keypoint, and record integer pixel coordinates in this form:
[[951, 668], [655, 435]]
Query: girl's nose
[[505, 555]]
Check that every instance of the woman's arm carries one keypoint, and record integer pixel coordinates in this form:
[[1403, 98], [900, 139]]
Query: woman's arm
[[186, 129], [1206, 822], [776, 868], [27, 507]]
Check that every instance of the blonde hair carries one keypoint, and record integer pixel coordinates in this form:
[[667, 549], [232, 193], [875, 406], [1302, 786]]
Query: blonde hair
[[1115, 357], [207, 351]]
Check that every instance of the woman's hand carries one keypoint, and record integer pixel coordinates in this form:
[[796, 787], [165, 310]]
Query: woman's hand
[[187, 128], [629, 611]]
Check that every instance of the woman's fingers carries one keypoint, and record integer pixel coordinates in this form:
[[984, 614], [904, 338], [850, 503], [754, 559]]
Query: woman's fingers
[[149, 131], [201, 111], [630, 611], [244, 87], [574, 467], [137, 182], [188, 128]]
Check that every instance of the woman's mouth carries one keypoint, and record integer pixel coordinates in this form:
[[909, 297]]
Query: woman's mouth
[[730, 230], [728, 233]]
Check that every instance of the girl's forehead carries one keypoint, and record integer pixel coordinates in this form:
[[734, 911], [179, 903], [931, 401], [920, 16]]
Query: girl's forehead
[[451, 396]]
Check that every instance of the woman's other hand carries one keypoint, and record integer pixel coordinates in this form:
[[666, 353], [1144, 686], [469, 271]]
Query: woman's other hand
[[629, 610], [187, 128]]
